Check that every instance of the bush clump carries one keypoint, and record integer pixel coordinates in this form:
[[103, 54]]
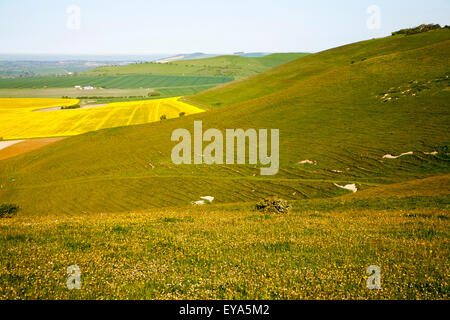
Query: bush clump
[[419, 29], [163, 117], [273, 205], [77, 106], [154, 94], [8, 210]]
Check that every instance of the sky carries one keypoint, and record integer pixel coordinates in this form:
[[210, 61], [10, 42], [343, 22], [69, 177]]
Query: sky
[[210, 26]]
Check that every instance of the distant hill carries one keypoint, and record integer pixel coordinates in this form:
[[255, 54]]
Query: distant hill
[[201, 55], [340, 112], [186, 56], [251, 54], [224, 66]]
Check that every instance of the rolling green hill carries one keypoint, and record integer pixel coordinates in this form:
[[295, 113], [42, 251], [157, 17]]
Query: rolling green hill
[[297, 71], [222, 66], [343, 109]]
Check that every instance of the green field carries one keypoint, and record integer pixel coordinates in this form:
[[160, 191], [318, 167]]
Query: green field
[[112, 201], [182, 91], [222, 66], [179, 78], [103, 95], [120, 82]]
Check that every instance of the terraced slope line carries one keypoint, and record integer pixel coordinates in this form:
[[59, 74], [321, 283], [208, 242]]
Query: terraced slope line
[[433, 186], [20, 120], [330, 111]]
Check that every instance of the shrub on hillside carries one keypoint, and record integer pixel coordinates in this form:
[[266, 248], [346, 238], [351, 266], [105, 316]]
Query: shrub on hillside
[[163, 117], [273, 205], [8, 210], [419, 29], [154, 94], [182, 114], [70, 107]]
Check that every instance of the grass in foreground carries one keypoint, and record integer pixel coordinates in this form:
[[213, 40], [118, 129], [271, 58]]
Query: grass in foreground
[[213, 254]]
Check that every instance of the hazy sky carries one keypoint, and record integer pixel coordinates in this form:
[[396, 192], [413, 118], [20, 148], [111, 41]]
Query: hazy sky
[[183, 26]]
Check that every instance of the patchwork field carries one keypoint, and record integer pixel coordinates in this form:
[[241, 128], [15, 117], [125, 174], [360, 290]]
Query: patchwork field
[[102, 94], [56, 93], [20, 119], [112, 81], [221, 66]]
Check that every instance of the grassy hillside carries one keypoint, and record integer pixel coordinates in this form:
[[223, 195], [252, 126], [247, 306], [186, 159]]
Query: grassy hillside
[[342, 116], [222, 66], [324, 62], [344, 110]]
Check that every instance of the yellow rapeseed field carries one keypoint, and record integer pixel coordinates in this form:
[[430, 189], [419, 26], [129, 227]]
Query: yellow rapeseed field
[[20, 120]]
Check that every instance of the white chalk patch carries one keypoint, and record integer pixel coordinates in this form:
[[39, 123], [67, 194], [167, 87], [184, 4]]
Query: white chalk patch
[[208, 198], [390, 156], [352, 187], [5, 144], [432, 153], [337, 171], [198, 203], [308, 162]]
